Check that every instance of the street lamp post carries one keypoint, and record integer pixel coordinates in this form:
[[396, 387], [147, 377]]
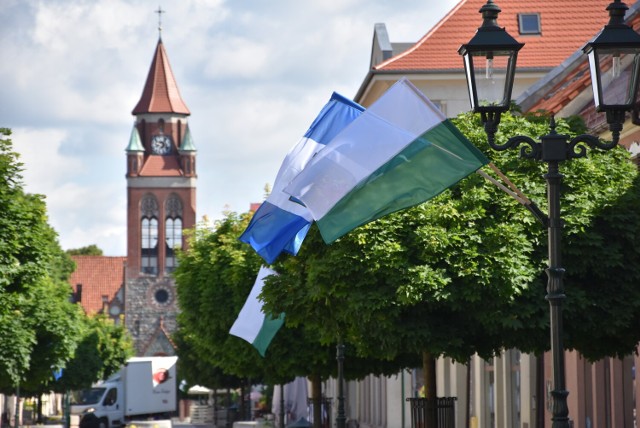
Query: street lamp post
[[490, 61]]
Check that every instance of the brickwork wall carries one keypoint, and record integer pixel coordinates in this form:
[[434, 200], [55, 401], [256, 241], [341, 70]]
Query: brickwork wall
[[144, 314]]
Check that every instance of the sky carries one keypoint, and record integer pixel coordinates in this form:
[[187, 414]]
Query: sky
[[254, 74]]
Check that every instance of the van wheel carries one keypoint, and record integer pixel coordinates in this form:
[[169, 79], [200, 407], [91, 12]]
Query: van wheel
[[103, 423]]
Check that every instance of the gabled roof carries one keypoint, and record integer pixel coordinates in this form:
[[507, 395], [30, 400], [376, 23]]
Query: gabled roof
[[160, 93], [569, 84], [160, 335], [565, 27], [100, 276]]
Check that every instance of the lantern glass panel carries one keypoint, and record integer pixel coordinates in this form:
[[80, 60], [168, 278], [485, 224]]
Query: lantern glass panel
[[613, 76], [492, 78]]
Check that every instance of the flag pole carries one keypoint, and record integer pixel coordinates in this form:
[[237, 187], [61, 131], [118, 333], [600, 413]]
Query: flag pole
[[516, 194]]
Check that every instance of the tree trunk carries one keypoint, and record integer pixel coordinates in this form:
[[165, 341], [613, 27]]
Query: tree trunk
[[39, 410], [468, 395], [316, 397], [541, 392], [17, 414], [242, 411], [429, 373]]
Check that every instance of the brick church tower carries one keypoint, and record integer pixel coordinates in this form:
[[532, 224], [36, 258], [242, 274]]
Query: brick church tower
[[161, 203]]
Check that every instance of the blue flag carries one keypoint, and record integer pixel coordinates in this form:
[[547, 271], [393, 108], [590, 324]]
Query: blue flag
[[281, 224], [399, 153]]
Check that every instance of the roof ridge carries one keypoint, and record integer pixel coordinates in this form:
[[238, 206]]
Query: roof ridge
[[96, 256], [424, 38], [437, 50]]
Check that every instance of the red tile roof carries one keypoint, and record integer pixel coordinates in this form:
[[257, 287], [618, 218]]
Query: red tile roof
[[160, 93], [567, 82], [161, 166], [565, 27], [100, 276]]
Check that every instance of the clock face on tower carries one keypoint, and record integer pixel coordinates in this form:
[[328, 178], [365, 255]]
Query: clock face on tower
[[161, 144]]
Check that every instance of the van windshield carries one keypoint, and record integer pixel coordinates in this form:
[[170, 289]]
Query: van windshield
[[87, 396]]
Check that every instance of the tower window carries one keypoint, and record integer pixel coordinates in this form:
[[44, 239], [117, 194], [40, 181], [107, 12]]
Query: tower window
[[173, 231], [174, 241], [529, 23], [149, 235], [149, 260]]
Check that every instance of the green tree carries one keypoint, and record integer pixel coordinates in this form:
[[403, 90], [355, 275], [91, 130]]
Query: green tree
[[36, 321], [89, 250], [102, 350], [464, 273], [40, 329], [214, 278]]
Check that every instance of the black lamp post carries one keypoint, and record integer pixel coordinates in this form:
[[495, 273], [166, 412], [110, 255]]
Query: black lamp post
[[614, 56]]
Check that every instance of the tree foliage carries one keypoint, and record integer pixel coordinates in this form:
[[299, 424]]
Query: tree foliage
[[464, 273], [102, 350], [214, 278], [37, 322], [89, 250], [39, 327]]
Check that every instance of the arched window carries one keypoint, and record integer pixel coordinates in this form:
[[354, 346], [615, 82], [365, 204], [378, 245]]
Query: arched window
[[149, 235], [173, 231]]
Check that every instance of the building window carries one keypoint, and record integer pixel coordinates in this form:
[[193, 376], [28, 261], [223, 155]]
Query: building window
[[149, 236], [174, 241], [161, 296], [529, 23], [441, 105], [149, 256], [173, 231]]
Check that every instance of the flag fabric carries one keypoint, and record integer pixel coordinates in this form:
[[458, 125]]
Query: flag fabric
[[252, 324], [401, 152], [281, 224]]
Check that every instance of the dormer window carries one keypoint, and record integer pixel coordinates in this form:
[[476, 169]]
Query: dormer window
[[529, 23]]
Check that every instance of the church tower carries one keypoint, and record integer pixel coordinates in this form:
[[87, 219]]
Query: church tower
[[161, 203]]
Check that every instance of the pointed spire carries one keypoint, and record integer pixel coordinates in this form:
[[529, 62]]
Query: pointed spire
[[160, 93], [135, 145], [187, 142]]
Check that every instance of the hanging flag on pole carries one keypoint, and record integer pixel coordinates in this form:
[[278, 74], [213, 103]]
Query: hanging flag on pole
[[280, 224], [401, 152], [252, 324]]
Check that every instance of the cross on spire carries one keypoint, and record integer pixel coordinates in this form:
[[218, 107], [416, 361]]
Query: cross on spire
[[160, 12]]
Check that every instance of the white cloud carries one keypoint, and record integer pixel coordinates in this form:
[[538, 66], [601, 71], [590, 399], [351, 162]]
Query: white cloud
[[253, 73], [44, 166]]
